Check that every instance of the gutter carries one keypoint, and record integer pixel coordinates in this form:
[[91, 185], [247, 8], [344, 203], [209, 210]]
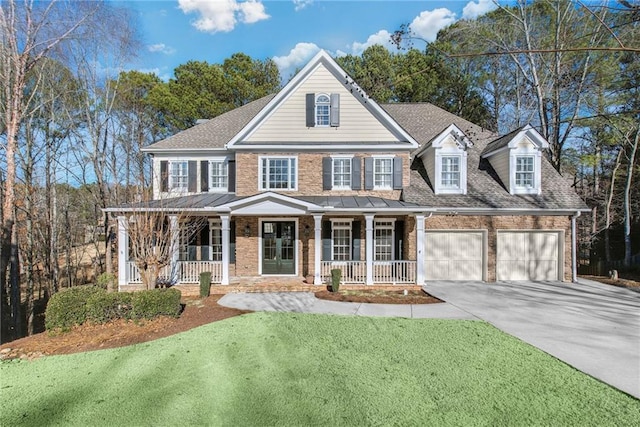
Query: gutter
[[574, 247]]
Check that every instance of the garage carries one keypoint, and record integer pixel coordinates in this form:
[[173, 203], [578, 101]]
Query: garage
[[529, 255], [455, 255]]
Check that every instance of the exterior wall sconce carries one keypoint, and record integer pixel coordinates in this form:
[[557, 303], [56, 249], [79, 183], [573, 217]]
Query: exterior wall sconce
[[247, 231], [306, 230]]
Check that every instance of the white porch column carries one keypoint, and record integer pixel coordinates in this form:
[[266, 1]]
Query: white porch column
[[174, 229], [317, 256], [420, 249], [226, 246], [123, 251], [369, 248]]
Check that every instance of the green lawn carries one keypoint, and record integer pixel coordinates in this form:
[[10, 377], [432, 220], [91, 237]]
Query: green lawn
[[299, 369]]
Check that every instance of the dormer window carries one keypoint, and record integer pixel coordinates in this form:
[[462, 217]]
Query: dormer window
[[445, 161], [450, 177], [525, 172], [323, 105], [517, 159]]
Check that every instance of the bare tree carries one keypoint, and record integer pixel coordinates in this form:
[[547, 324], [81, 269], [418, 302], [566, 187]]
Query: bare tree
[[157, 236], [29, 31]]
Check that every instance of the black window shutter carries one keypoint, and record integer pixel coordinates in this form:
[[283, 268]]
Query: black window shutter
[[334, 115], [356, 173], [399, 239], [204, 242], [164, 175], [397, 173], [231, 182], [327, 165], [204, 176], [368, 173], [232, 242], [326, 241], [355, 237], [193, 176], [311, 110]]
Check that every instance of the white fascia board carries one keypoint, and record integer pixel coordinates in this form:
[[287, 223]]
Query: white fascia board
[[505, 211], [183, 150], [437, 140], [324, 148], [284, 93], [322, 57]]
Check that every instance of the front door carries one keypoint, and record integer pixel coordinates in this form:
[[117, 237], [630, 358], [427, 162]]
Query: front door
[[278, 247]]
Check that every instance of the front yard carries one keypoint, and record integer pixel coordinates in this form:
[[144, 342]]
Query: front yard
[[295, 369]]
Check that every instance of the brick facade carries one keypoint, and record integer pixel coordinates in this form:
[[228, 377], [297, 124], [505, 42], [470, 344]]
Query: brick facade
[[309, 175], [494, 223]]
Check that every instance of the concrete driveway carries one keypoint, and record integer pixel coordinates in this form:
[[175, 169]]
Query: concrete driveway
[[591, 326]]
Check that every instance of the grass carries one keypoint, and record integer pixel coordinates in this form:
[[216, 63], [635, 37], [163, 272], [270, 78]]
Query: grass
[[301, 369]]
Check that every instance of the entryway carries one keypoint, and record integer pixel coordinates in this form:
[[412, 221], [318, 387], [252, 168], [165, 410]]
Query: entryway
[[278, 247]]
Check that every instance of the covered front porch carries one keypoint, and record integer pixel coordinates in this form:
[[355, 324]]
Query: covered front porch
[[301, 239]]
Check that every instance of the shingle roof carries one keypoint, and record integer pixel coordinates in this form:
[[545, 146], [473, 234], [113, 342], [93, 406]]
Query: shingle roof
[[214, 133], [503, 141], [484, 188]]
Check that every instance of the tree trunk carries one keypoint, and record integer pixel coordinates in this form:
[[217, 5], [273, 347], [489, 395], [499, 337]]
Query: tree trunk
[[627, 200]]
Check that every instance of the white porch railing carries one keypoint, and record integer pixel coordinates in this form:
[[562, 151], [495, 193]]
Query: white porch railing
[[186, 272], [355, 272], [400, 272]]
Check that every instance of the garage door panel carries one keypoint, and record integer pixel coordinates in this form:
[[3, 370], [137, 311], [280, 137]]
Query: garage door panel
[[454, 255], [527, 255]]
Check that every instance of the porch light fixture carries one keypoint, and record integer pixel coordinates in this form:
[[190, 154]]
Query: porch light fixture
[[307, 229], [247, 231]]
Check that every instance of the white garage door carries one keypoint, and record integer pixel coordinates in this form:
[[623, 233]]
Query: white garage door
[[454, 255], [528, 255]]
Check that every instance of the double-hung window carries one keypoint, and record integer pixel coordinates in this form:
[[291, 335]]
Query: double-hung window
[[179, 175], [525, 171], [383, 240], [341, 240], [450, 177], [215, 240], [218, 175], [382, 173], [323, 107], [342, 173], [278, 173]]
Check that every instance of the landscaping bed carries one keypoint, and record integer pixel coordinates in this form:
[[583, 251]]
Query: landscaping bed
[[379, 296]]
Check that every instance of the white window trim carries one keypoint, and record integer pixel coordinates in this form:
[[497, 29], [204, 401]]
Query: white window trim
[[382, 187], [225, 163], [378, 225], [341, 187], [170, 178], [439, 187], [214, 224], [537, 166], [342, 227], [260, 173], [315, 110]]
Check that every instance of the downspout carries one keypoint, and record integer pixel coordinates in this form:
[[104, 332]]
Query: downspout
[[574, 248]]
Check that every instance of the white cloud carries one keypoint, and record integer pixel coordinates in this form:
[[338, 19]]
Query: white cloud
[[297, 57], [223, 15], [428, 23], [382, 37], [473, 10], [301, 4], [162, 48]]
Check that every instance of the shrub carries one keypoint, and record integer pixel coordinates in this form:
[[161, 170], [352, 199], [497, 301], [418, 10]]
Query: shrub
[[155, 302], [336, 275], [69, 307], [104, 307], [106, 280]]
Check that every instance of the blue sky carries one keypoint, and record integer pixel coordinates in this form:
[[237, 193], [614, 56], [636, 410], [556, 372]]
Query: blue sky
[[289, 31]]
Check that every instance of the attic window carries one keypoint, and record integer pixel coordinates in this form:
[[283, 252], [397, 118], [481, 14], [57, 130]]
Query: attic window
[[450, 172], [323, 105], [525, 172]]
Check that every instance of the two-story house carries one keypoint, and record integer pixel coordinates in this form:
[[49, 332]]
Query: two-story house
[[320, 176]]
